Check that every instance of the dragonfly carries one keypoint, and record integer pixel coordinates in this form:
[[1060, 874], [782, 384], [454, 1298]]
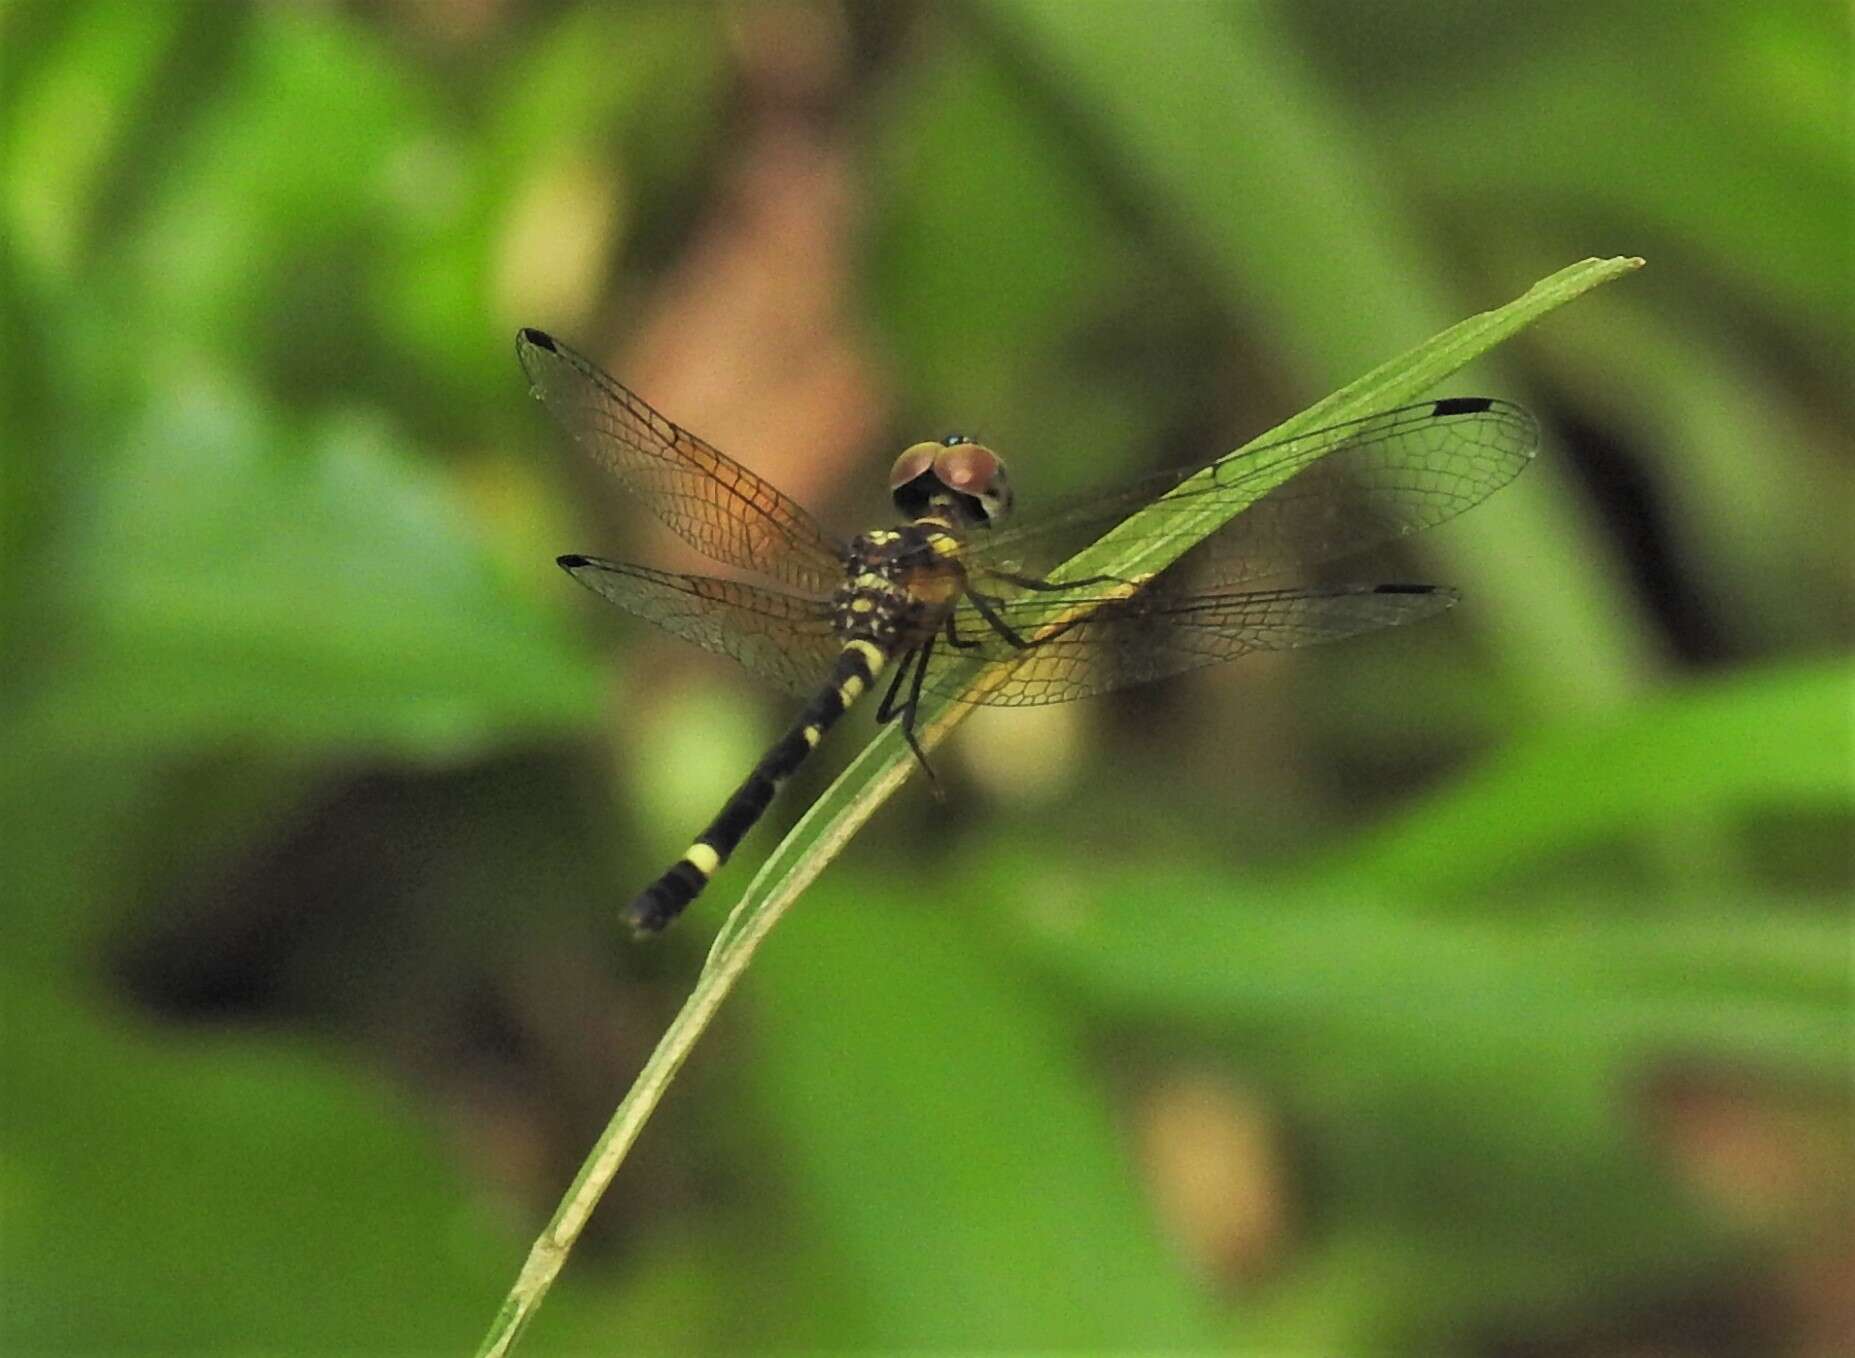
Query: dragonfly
[[958, 600]]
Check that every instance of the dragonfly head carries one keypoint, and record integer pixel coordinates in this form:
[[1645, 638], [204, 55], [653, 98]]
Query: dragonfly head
[[953, 476]]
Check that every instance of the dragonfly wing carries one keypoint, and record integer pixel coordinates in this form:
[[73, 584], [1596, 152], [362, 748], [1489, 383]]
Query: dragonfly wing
[[781, 638], [1078, 646], [1348, 488], [715, 504]]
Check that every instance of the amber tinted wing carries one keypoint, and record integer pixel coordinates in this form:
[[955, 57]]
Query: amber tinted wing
[[714, 503], [1350, 487], [1078, 645], [781, 638]]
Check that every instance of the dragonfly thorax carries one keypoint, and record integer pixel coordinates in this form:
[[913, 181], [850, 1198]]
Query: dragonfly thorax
[[899, 584]]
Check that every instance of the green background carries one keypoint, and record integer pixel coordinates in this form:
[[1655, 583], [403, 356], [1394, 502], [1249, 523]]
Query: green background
[[1479, 988]]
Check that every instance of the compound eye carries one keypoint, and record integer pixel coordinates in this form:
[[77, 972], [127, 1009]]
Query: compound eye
[[915, 462], [975, 470]]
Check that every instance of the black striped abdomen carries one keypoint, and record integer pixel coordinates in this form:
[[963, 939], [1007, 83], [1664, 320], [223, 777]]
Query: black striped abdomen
[[663, 900]]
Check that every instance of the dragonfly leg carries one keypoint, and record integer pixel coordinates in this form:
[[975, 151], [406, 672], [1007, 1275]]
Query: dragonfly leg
[[1039, 585], [890, 710], [908, 721], [953, 637], [983, 604], [986, 606], [887, 710]]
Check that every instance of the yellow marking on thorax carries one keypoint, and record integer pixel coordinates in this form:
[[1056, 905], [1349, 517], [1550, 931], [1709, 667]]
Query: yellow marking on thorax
[[702, 858], [935, 585]]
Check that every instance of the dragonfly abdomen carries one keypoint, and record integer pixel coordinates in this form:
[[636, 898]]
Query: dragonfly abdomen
[[664, 899]]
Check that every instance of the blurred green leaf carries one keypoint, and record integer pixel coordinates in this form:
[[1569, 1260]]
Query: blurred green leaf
[[1230, 138], [980, 193], [1390, 1005], [294, 152], [904, 1143], [1775, 738], [1731, 455], [323, 1217], [74, 108], [1575, 986], [1472, 1089], [519, 218], [234, 583], [1755, 98]]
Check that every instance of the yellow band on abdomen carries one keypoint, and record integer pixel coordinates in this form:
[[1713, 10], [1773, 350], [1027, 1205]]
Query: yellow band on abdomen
[[872, 654]]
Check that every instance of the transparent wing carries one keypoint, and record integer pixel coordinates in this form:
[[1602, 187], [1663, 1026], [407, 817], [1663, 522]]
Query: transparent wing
[[1078, 645], [781, 638], [1351, 487], [714, 503]]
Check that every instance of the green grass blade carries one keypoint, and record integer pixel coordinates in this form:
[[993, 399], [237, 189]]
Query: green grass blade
[[883, 765], [1709, 753]]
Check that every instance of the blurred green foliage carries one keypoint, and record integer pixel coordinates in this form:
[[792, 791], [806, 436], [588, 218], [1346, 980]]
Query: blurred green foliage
[[320, 787]]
